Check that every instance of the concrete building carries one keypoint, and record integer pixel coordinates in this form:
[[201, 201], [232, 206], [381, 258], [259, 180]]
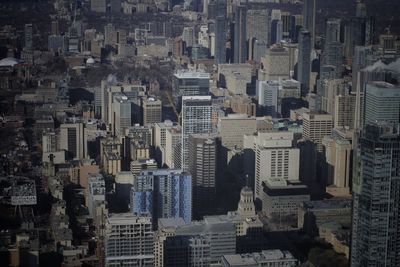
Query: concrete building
[[122, 114], [152, 110], [273, 258], [275, 65], [272, 155], [282, 198], [72, 139], [375, 234], [316, 126], [233, 127], [309, 9], [203, 167], [304, 60], [240, 36], [338, 157], [129, 240], [196, 119], [345, 108], [173, 148], [258, 25]]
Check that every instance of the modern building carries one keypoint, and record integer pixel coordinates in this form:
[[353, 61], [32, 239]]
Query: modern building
[[304, 60], [220, 39], [240, 36], [96, 191], [191, 83], [309, 9], [129, 240], [122, 114], [203, 168], [375, 231], [196, 119], [267, 92], [163, 193], [173, 148], [382, 103]]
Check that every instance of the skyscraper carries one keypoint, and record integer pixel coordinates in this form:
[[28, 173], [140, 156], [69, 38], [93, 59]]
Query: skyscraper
[[203, 167], [376, 187], [220, 40], [72, 139], [332, 54], [196, 119], [382, 103], [152, 110], [304, 61], [240, 37], [309, 19]]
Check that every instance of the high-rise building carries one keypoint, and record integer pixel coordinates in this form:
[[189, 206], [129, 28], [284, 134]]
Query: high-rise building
[[203, 167], [271, 258], [267, 92], [258, 25], [233, 127], [240, 37], [152, 110], [196, 119], [173, 148], [304, 61], [72, 139], [122, 114], [309, 9], [270, 155], [332, 54], [163, 193], [96, 196], [188, 36], [129, 240], [382, 103], [316, 126], [220, 40], [376, 187]]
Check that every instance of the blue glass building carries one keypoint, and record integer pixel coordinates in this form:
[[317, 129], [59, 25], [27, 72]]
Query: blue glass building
[[163, 193]]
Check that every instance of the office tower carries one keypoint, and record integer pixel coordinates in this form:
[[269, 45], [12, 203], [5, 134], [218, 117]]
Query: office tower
[[203, 167], [275, 64], [382, 103], [72, 139], [304, 61], [267, 92], [233, 127], [309, 19], [109, 34], [332, 54], [129, 240], [98, 6], [270, 155], [55, 30], [220, 40], [361, 10], [240, 41], [122, 114], [191, 83], [159, 135], [316, 126], [329, 89], [276, 31], [196, 119], [173, 148], [358, 31], [188, 36], [163, 193], [376, 187], [152, 110], [96, 192], [288, 25], [258, 27]]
